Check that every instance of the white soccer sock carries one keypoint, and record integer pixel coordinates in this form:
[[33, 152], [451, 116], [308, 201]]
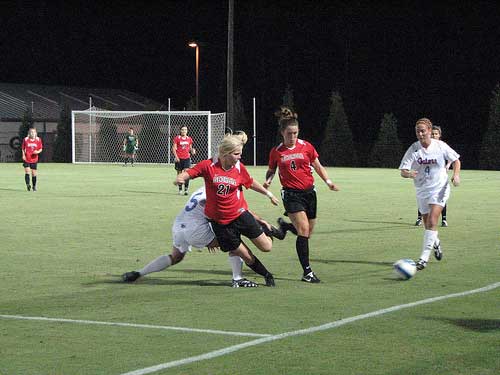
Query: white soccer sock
[[430, 238], [159, 264], [236, 266]]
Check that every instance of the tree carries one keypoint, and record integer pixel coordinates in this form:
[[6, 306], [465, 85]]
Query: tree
[[240, 120], [288, 96], [491, 139], [27, 122], [62, 144], [191, 104], [388, 149], [337, 148]]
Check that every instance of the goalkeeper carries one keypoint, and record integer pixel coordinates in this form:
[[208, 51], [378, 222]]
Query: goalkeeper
[[130, 147]]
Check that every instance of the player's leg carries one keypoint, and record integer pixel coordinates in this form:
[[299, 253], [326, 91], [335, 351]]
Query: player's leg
[[178, 169], [444, 222], [253, 263], [419, 219], [34, 174], [431, 240], [27, 172], [301, 223]]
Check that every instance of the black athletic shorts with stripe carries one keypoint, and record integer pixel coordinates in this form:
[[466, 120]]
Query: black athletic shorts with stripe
[[229, 235], [300, 200], [182, 164]]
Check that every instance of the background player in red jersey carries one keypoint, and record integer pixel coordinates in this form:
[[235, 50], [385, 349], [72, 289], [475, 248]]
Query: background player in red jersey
[[294, 159], [31, 148], [182, 148], [226, 207]]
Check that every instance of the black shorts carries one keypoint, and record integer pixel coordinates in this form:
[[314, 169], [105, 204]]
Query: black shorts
[[300, 200], [229, 235], [30, 165], [182, 164]]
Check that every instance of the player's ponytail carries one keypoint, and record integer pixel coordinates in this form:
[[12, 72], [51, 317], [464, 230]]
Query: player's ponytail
[[286, 117]]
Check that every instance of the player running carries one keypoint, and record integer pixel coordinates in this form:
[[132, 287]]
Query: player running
[[425, 162], [31, 148], [295, 159]]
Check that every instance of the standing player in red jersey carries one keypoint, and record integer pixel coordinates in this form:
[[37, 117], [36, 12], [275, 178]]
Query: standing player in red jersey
[[183, 148], [226, 207], [31, 148], [294, 159]]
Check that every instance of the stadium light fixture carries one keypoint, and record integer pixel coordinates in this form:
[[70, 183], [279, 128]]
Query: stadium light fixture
[[195, 45]]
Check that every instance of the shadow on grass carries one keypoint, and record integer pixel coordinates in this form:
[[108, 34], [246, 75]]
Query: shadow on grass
[[477, 325], [333, 261], [147, 280]]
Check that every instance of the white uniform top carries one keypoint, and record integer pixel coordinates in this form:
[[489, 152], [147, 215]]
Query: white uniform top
[[430, 163], [191, 226]]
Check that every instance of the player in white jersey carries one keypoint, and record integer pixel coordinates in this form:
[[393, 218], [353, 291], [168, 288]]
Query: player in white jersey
[[425, 162], [191, 228]]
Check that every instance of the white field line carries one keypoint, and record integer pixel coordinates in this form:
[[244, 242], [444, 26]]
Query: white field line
[[92, 322], [323, 327]]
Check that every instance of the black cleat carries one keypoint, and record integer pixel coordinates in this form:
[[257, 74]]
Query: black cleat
[[130, 277], [421, 264], [278, 233], [418, 222], [284, 226], [28, 187], [438, 253], [311, 278], [444, 223], [270, 280], [244, 283]]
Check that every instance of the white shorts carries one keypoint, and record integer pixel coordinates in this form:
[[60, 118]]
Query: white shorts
[[186, 235], [439, 198]]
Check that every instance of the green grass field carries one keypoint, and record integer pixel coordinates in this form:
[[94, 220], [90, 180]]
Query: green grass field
[[64, 247]]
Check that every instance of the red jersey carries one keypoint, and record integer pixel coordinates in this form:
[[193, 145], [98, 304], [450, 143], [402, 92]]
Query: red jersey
[[225, 200], [295, 169], [183, 146], [29, 145]]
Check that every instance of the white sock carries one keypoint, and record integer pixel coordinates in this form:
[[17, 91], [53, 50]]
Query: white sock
[[236, 266], [159, 264], [430, 238]]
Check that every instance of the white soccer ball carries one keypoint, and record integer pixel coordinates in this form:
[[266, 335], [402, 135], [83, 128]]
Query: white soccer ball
[[405, 268]]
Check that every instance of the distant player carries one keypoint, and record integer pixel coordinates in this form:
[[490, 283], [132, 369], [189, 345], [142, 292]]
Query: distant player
[[191, 228], [182, 148], [31, 148], [295, 159], [130, 147], [425, 162]]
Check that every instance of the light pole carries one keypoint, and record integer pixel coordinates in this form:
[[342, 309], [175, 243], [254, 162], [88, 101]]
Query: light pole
[[195, 45]]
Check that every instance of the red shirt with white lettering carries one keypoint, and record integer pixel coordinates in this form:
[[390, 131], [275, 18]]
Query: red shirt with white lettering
[[183, 146], [225, 200], [29, 145], [294, 164]]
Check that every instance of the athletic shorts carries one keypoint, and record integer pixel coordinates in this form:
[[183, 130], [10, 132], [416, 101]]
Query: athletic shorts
[[229, 236], [439, 198], [300, 200], [130, 150], [186, 236], [182, 164], [30, 165]]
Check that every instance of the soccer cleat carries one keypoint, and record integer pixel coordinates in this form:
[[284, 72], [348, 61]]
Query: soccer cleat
[[418, 222], [186, 192], [438, 253], [180, 192], [278, 233], [130, 277], [34, 188], [28, 187], [284, 226], [244, 283], [269, 280], [444, 223], [421, 264], [311, 278]]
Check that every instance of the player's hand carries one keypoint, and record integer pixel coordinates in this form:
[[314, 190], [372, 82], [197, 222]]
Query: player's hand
[[266, 184], [212, 249], [455, 180], [332, 186], [275, 201], [124, 148]]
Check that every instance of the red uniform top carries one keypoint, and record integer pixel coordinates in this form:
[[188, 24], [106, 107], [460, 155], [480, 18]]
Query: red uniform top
[[29, 145], [183, 146], [225, 200], [294, 164]]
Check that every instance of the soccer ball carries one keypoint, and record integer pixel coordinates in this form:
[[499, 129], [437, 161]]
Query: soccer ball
[[405, 269]]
